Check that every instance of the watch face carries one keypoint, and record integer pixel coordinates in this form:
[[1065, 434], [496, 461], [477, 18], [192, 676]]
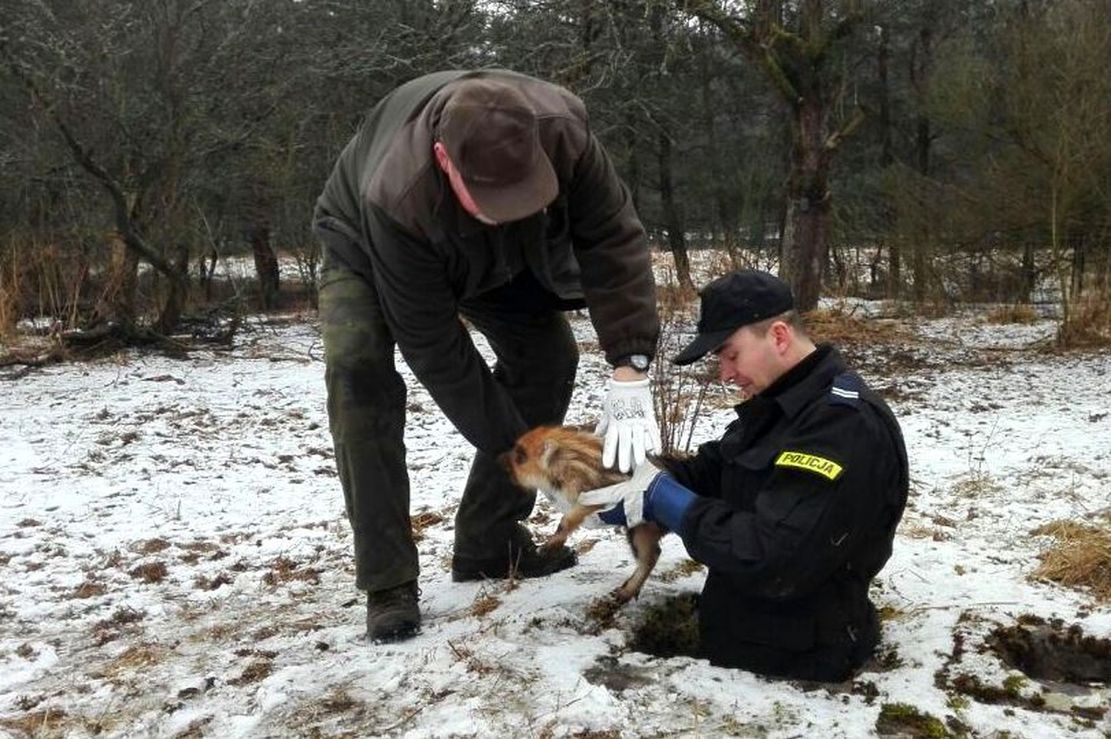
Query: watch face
[[639, 362]]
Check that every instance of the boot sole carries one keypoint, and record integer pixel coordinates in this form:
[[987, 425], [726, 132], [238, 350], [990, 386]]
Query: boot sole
[[395, 635]]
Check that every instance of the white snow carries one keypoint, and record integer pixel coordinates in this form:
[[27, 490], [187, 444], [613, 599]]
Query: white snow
[[219, 468]]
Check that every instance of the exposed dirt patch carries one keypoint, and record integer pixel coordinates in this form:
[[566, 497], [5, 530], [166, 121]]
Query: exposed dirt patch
[[1051, 651], [615, 676], [669, 628]]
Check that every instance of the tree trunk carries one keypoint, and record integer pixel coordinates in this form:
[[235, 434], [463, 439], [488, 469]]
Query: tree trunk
[[266, 265], [887, 158], [806, 241], [117, 300], [673, 217], [921, 63], [1029, 271], [178, 290]]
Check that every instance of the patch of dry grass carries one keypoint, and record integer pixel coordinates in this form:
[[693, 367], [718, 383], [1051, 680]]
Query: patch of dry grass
[[151, 572], [1079, 557], [1011, 314], [135, 657], [422, 521], [685, 568], [283, 570], [842, 327], [672, 297], [1089, 325], [258, 670], [974, 484], [112, 627], [152, 546], [483, 604], [89, 589], [48, 722]]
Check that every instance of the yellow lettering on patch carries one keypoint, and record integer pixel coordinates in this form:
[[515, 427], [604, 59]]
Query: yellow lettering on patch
[[824, 467]]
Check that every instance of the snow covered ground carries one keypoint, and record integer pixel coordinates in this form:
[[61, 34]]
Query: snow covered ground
[[174, 560]]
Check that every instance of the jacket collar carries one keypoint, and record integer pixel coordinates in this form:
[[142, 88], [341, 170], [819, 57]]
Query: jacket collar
[[803, 383]]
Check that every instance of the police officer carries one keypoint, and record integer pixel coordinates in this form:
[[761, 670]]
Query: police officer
[[794, 509], [482, 195]]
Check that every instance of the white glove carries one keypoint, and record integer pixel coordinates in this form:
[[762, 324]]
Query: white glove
[[628, 423], [623, 503]]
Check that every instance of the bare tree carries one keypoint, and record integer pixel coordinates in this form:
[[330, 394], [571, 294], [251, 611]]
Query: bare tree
[[797, 63]]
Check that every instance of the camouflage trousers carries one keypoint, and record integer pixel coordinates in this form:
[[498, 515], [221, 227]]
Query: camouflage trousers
[[537, 358]]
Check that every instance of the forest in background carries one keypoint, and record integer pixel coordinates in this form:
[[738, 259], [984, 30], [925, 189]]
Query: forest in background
[[924, 151]]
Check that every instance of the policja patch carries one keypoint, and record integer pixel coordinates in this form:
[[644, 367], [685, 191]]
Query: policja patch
[[811, 462]]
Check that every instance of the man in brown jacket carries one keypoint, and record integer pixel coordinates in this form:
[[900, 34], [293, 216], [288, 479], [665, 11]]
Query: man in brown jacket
[[482, 195]]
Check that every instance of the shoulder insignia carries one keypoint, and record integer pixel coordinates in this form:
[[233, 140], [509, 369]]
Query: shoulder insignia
[[827, 468], [846, 389]]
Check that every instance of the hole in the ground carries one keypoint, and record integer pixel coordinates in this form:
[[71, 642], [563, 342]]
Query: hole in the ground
[[669, 628], [1050, 650]]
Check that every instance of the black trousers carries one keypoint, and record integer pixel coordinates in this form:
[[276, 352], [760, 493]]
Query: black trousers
[[537, 358]]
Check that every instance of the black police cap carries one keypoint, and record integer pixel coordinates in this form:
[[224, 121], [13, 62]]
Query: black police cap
[[738, 299]]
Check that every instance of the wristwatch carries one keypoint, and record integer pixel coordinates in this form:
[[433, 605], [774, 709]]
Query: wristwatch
[[639, 362]]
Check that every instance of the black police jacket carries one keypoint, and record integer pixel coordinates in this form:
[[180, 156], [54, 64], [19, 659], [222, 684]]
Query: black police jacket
[[798, 506]]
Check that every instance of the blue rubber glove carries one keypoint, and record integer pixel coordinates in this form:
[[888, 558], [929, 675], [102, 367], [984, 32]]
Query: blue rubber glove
[[649, 495]]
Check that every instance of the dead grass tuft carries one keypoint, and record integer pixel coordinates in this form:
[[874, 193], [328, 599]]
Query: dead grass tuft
[[258, 670], [200, 546], [671, 297], [89, 589], [339, 702], [467, 656], [1080, 557], [1011, 314], [135, 658], [1089, 325], [47, 722], [422, 521], [111, 627], [484, 603], [840, 326], [152, 546], [975, 483], [686, 568], [200, 582], [150, 572], [283, 570]]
